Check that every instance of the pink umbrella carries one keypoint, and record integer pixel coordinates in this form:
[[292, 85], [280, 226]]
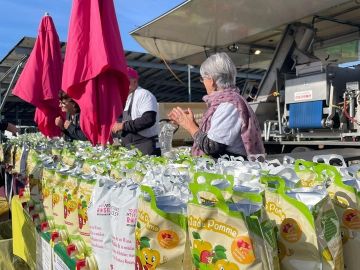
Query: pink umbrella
[[94, 72], [40, 81]]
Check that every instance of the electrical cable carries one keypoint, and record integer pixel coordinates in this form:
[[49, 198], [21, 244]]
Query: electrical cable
[[167, 65]]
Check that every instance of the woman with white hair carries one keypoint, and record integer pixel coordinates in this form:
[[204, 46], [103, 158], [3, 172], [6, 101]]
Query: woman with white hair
[[229, 125]]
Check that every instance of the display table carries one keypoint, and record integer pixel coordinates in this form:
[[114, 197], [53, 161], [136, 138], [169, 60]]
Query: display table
[[24, 234]]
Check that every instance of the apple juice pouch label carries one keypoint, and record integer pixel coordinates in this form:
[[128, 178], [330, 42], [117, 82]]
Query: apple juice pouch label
[[160, 236], [220, 238]]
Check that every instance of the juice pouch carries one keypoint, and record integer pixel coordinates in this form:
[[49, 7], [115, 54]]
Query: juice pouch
[[99, 221], [56, 152], [8, 148], [308, 176], [124, 204], [221, 238], [34, 168], [250, 200], [117, 174], [86, 188], [32, 158], [58, 198], [160, 236], [70, 198], [88, 166], [47, 184], [20, 158], [347, 207], [118, 169], [13, 151], [309, 231], [17, 159], [68, 158]]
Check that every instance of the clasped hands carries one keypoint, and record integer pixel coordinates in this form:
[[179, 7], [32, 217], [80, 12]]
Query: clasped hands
[[59, 122], [185, 119]]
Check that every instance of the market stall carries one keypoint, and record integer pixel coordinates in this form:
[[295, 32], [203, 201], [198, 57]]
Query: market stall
[[85, 207]]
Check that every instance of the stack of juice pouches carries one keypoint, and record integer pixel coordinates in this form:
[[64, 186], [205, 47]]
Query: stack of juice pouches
[[309, 230], [47, 184], [71, 193], [225, 226], [75, 218], [60, 178], [86, 187]]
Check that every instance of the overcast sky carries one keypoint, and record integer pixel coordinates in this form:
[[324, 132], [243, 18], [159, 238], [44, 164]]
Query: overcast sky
[[21, 18]]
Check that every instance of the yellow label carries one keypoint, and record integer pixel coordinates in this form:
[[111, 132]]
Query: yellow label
[[272, 207], [242, 250], [144, 217], [212, 225]]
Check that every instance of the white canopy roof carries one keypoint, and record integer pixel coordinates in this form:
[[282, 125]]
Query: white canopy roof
[[185, 32]]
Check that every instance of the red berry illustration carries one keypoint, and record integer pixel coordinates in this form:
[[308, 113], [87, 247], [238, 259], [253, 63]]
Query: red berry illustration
[[206, 256], [243, 244]]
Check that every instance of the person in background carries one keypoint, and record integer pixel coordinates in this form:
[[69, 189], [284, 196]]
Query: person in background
[[229, 125], [139, 126], [71, 126], [4, 125]]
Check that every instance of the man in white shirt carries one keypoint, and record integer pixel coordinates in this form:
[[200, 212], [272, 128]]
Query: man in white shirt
[[140, 126]]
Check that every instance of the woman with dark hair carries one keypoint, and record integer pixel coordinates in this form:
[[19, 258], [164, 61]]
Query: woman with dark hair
[[71, 126]]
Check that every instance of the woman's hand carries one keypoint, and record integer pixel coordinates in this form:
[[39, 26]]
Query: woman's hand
[[59, 122], [184, 119], [117, 127], [67, 124]]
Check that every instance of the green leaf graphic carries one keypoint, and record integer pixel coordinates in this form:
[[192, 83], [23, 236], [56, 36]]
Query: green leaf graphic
[[144, 238], [196, 257], [196, 262], [220, 255], [196, 235], [219, 248], [144, 242]]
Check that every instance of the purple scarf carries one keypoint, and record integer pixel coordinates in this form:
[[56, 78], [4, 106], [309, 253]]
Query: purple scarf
[[250, 129]]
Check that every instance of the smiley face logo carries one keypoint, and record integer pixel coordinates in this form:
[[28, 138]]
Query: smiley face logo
[[290, 230], [151, 258]]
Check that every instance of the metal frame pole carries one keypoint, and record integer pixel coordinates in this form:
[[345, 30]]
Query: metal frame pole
[[11, 84], [189, 81]]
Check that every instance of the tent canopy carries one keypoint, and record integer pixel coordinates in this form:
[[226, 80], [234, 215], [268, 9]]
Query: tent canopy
[[197, 27]]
